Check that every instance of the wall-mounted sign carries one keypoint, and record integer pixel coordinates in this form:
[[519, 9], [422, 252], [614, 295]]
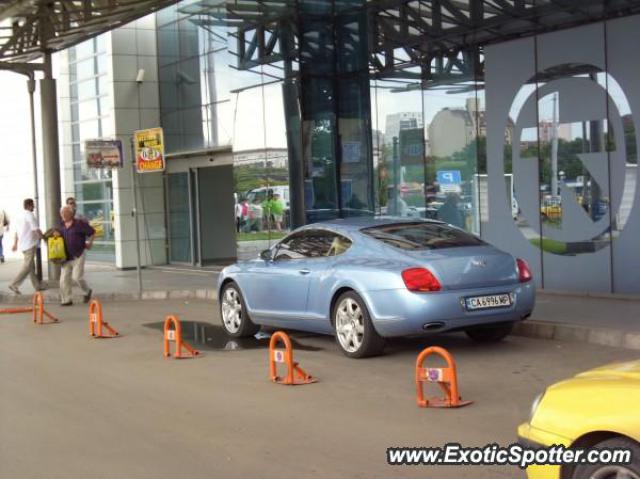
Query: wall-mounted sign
[[103, 153], [149, 150]]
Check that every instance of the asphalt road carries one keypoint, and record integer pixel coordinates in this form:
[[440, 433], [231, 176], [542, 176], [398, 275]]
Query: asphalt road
[[76, 407]]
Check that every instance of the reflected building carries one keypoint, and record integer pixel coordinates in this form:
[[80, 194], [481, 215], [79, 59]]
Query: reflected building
[[450, 131], [265, 158], [401, 121]]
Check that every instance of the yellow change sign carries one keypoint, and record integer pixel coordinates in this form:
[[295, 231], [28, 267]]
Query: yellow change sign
[[149, 149]]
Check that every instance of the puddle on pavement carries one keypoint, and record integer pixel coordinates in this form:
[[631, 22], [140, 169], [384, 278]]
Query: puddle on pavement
[[207, 336]]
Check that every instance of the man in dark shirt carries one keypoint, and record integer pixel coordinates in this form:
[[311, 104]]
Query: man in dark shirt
[[78, 236]]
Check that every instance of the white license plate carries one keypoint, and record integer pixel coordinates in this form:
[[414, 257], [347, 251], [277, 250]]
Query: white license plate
[[485, 302]]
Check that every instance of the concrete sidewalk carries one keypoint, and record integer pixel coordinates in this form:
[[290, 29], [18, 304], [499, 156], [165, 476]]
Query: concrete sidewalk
[[113, 283], [606, 321]]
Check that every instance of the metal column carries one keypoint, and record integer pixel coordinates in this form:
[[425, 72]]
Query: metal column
[[50, 151], [31, 87]]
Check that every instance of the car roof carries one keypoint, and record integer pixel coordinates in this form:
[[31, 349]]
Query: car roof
[[357, 223]]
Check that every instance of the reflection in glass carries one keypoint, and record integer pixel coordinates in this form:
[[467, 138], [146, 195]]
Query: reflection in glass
[[454, 132], [179, 218], [578, 150], [398, 156], [89, 115]]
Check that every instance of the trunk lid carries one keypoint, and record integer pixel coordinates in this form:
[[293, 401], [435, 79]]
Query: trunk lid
[[468, 267]]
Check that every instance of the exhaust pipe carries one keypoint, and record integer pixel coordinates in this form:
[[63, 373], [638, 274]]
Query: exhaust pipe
[[434, 326]]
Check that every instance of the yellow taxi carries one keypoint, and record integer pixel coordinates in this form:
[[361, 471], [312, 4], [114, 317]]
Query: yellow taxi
[[551, 207], [598, 409]]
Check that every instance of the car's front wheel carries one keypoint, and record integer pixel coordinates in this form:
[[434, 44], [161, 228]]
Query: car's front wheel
[[490, 334], [233, 312], [354, 331], [612, 471]]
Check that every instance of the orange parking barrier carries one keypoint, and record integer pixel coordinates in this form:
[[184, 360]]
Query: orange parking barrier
[[37, 308], [446, 378], [286, 356], [39, 312], [175, 334], [97, 322], [24, 309]]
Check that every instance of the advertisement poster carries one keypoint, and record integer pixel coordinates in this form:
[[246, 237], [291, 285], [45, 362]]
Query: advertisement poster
[[149, 150], [103, 153]]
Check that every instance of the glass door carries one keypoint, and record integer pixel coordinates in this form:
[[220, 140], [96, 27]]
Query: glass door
[[179, 199]]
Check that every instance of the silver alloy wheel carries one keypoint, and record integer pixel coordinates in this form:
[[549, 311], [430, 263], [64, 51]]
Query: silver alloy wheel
[[614, 472], [231, 310], [349, 325]]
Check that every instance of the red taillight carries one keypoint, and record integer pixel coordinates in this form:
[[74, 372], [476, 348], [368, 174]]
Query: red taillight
[[524, 273], [420, 279]]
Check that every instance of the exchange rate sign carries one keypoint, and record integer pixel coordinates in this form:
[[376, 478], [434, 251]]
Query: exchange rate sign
[[149, 150]]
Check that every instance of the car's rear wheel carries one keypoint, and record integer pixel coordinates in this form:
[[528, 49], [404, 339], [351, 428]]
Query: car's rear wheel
[[233, 312], [490, 334], [355, 334], [612, 471]]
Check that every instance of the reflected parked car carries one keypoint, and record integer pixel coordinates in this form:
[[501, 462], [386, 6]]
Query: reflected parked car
[[597, 409], [365, 279], [97, 224]]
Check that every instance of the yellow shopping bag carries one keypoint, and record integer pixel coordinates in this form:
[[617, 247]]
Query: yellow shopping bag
[[55, 245]]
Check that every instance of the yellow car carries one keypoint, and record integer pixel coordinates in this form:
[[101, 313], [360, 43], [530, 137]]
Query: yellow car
[[551, 207], [596, 409], [97, 224]]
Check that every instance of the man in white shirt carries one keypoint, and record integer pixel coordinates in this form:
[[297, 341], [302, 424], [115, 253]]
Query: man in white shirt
[[4, 227], [27, 237]]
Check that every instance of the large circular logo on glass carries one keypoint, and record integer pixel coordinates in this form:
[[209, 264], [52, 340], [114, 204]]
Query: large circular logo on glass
[[570, 139]]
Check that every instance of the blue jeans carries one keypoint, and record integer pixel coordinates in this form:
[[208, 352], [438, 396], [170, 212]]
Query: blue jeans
[[1, 251]]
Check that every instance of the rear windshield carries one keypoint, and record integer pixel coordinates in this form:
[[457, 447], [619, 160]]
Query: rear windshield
[[416, 236]]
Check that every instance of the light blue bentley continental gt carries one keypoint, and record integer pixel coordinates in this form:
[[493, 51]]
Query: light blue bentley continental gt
[[365, 279]]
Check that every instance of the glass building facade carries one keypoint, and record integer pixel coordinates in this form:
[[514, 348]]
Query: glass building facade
[[507, 148], [207, 105], [90, 102]]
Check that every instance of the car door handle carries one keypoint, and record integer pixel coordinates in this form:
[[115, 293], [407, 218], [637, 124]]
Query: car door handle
[[304, 271]]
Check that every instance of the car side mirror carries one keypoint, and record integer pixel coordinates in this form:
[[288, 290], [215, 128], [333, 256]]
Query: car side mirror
[[266, 255]]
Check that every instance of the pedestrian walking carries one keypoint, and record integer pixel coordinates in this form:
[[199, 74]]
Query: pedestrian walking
[[4, 227], [78, 237], [238, 217], [255, 215], [27, 236], [71, 201], [277, 209], [245, 215]]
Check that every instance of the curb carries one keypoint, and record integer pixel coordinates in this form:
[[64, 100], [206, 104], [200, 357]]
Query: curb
[[587, 294], [204, 294], [568, 332], [529, 329]]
